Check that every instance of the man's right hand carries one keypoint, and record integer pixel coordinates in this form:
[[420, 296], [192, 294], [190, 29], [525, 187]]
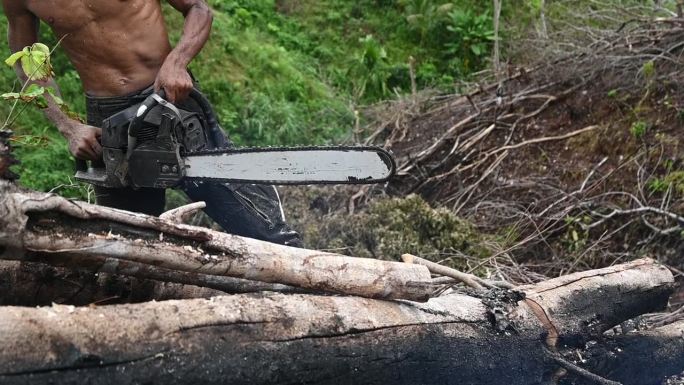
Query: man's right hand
[[84, 141]]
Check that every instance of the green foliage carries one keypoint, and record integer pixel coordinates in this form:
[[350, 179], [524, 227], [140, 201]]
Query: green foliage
[[264, 86], [638, 129], [426, 17], [45, 159], [392, 227], [673, 179], [576, 235], [472, 37], [371, 70], [648, 69], [35, 61]]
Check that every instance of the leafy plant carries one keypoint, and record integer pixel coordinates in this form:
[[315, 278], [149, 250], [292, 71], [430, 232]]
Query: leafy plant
[[426, 17], [576, 235], [371, 70], [638, 129], [471, 38], [673, 179], [35, 61]]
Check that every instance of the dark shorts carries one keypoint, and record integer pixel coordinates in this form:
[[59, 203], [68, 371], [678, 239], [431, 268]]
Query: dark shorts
[[249, 210]]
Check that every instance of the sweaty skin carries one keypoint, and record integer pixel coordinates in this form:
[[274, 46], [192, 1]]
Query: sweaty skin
[[117, 47]]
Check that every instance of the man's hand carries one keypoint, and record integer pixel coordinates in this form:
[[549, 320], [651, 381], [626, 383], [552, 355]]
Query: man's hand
[[174, 79], [84, 141], [173, 76]]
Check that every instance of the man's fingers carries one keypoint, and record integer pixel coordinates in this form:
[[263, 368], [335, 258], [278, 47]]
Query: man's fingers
[[170, 94], [184, 94], [98, 132], [97, 148], [85, 153]]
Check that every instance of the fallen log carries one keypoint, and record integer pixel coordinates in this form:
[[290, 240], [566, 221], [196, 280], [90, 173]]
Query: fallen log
[[643, 357], [37, 284], [265, 338], [38, 225]]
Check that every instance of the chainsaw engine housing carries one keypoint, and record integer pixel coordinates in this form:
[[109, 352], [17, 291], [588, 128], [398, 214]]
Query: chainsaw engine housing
[[163, 133]]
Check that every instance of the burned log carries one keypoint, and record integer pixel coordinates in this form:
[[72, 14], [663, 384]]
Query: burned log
[[300, 338]]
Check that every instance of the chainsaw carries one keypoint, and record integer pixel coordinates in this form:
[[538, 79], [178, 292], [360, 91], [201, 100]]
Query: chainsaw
[[157, 144]]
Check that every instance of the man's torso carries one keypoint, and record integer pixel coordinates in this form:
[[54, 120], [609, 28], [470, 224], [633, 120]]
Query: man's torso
[[117, 46]]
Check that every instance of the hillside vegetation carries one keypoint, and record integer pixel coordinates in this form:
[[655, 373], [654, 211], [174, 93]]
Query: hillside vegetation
[[289, 72]]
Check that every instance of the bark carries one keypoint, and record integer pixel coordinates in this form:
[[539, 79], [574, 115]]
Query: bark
[[569, 302], [35, 284], [34, 225], [298, 338]]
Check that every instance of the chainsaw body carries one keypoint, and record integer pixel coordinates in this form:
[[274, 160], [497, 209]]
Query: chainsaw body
[[142, 146]]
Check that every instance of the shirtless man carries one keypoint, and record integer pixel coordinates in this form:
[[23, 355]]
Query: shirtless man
[[120, 48]]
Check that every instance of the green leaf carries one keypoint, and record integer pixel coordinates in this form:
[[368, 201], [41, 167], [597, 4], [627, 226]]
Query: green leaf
[[36, 62], [10, 95], [55, 97], [33, 91], [40, 102], [10, 61], [648, 69], [40, 47]]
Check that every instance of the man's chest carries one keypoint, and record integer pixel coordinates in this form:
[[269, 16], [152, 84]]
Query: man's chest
[[68, 16]]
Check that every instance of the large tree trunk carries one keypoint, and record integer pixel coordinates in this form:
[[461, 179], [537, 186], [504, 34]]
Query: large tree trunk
[[644, 357], [299, 338]]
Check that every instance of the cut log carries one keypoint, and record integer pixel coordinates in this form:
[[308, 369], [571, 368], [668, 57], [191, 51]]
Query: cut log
[[96, 265], [569, 302], [46, 224], [268, 338]]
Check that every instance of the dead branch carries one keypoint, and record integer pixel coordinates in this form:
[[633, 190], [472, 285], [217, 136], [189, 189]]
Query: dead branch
[[183, 213]]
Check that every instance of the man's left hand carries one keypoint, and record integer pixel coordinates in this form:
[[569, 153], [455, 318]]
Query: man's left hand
[[174, 80]]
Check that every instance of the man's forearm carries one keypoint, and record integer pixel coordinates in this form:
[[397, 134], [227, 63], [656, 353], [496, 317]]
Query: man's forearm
[[52, 112], [196, 31], [82, 139]]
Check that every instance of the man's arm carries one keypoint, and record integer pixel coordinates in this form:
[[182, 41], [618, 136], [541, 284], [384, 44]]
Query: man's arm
[[22, 32], [173, 76]]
